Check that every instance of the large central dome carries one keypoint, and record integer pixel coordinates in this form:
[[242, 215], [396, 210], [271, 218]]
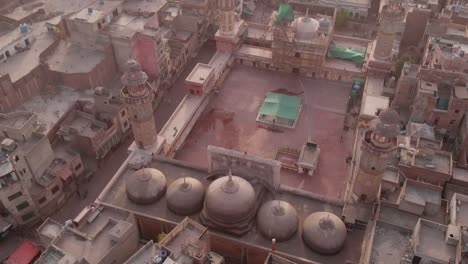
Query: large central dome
[[230, 199]]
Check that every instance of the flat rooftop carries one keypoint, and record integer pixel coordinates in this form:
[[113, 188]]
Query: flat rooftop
[[96, 241], [390, 243], [125, 26], [83, 123], [200, 73], [15, 119], [460, 174], [25, 10], [66, 55], [15, 65], [146, 5], [145, 254], [431, 242], [50, 107], [406, 220], [440, 161], [420, 195], [372, 105], [461, 210], [116, 196], [98, 11], [230, 122]]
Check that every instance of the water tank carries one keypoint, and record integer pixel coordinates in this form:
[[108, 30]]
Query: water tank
[[101, 2], [90, 10], [24, 28], [462, 53]]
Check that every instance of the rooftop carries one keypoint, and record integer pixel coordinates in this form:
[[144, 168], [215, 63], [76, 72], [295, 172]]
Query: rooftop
[[126, 25], [431, 242], [15, 66], [50, 107], [256, 52], [200, 73], [420, 195], [390, 242], [98, 11], [83, 124], [428, 158], [66, 54], [460, 210], [145, 254], [15, 119], [116, 196], [460, 174], [23, 11], [92, 240], [231, 123]]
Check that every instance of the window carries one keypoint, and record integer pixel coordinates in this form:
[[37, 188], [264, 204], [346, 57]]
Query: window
[[26, 41], [77, 167], [297, 55], [103, 21], [27, 216], [42, 200], [99, 26], [2, 56], [457, 111], [125, 124], [7, 53], [24, 171], [122, 113], [116, 12], [55, 189], [14, 196], [22, 205]]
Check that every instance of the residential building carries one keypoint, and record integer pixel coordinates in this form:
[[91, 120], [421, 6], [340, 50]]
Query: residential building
[[34, 176]]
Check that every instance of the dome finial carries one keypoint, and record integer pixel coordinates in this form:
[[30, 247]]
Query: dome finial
[[230, 174], [307, 12]]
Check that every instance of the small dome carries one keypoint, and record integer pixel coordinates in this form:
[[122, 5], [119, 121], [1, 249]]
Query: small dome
[[305, 28], [324, 233], [185, 196], [230, 199], [145, 186], [324, 22], [388, 123], [277, 219]]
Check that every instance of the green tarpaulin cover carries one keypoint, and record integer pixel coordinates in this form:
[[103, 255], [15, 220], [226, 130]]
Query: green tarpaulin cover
[[357, 56], [285, 13], [281, 105]]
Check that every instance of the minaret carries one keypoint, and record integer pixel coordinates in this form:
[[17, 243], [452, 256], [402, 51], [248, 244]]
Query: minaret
[[138, 96], [226, 16], [377, 148], [228, 36], [391, 19]]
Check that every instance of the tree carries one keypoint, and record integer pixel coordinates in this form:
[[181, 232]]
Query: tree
[[399, 64], [342, 18]]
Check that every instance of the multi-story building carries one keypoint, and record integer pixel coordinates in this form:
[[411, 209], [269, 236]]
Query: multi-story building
[[32, 185]]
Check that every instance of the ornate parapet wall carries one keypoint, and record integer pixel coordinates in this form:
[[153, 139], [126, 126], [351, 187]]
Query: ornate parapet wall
[[247, 166]]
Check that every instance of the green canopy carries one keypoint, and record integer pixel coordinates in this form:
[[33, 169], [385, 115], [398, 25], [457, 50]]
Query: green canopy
[[281, 105], [285, 13], [356, 56]]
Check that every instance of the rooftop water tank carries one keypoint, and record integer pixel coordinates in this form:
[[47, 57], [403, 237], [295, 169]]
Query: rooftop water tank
[[90, 10], [24, 28]]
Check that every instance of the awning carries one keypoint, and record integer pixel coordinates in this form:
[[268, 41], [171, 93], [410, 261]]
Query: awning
[[280, 105], [24, 254]]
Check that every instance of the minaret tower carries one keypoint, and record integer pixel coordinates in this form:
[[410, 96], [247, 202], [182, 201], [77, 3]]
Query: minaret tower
[[230, 26], [377, 148], [226, 16], [138, 96], [391, 19]]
